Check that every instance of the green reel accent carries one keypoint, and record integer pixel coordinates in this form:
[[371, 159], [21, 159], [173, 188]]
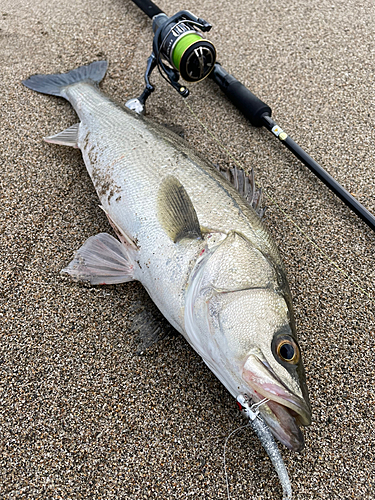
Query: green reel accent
[[181, 46]]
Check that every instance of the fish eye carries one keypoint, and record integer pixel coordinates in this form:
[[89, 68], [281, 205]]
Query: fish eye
[[288, 351]]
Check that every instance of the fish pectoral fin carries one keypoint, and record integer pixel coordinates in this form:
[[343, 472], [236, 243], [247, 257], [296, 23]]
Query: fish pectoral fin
[[176, 212], [101, 260], [68, 137]]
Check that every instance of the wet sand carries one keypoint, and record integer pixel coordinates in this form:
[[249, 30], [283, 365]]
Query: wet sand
[[84, 415]]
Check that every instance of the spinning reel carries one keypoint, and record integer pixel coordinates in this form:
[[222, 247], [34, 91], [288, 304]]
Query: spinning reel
[[179, 49]]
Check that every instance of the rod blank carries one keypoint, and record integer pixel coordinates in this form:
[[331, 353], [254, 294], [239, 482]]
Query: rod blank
[[148, 7], [259, 114], [324, 176]]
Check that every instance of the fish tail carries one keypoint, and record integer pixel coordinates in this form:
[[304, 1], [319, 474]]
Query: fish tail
[[55, 84]]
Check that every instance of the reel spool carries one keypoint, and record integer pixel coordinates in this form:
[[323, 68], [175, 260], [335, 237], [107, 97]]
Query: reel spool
[[179, 43], [179, 49]]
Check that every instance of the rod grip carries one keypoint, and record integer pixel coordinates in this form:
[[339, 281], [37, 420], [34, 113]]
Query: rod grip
[[249, 104]]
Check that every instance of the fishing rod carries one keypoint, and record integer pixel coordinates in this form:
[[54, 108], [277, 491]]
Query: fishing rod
[[179, 49]]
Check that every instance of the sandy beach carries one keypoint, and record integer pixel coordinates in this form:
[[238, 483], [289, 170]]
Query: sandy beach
[[85, 413]]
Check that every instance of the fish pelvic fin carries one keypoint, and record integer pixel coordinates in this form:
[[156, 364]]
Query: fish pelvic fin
[[121, 235], [176, 212], [55, 84], [101, 260]]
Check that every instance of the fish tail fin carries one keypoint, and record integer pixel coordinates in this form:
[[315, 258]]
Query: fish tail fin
[[55, 84]]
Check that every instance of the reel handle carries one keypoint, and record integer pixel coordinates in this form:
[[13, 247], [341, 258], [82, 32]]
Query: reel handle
[[249, 104]]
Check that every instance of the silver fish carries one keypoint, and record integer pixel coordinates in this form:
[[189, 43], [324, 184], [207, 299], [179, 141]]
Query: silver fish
[[195, 244]]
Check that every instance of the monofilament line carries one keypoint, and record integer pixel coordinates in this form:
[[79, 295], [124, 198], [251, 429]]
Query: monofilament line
[[224, 458]]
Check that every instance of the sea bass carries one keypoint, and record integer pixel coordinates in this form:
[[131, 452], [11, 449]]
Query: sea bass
[[195, 244]]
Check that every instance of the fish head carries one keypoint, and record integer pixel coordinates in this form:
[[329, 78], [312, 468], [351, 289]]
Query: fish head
[[259, 349], [248, 337]]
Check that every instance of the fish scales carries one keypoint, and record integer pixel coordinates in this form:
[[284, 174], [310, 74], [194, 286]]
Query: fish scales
[[127, 176], [199, 249], [121, 141]]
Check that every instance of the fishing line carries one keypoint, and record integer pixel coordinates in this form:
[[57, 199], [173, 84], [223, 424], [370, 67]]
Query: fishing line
[[253, 412], [275, 203], [225, 447]]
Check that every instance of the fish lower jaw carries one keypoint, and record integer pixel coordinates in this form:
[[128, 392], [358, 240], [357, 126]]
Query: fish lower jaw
[[261, 380], [284, 426], [282, 420]]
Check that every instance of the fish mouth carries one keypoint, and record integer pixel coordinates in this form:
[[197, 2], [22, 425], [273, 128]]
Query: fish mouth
[[285, 411]]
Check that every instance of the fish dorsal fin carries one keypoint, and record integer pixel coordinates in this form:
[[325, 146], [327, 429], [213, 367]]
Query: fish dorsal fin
[[68, 137], [176, 212], [245, 185], [176, 129]]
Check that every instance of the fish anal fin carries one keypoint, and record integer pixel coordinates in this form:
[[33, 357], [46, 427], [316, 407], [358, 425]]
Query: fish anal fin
[[68, 137], [101, 260], [176, 212]]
